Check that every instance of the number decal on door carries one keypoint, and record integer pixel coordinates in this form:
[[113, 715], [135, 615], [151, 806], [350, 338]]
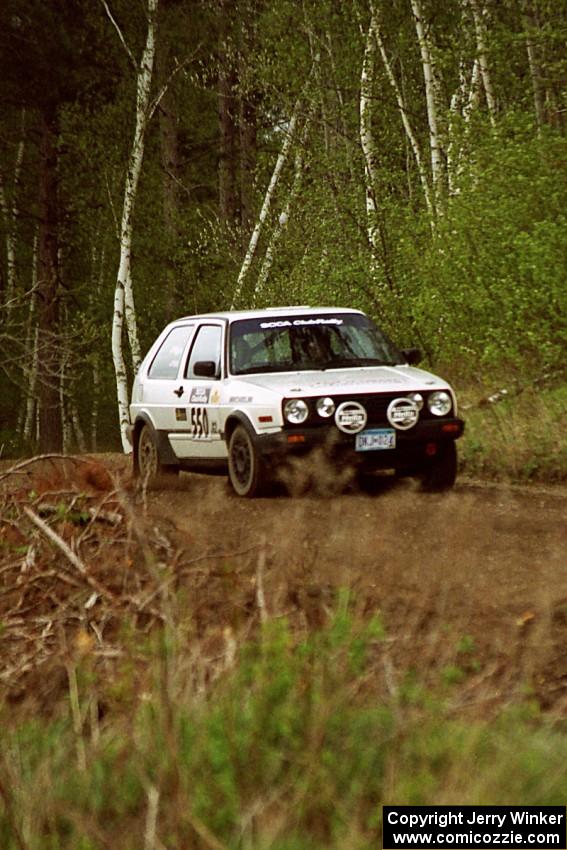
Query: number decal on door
[[200, 424]]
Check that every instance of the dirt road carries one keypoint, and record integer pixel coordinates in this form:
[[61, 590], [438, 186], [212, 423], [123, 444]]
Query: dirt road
[[472, 583], [471, 586]]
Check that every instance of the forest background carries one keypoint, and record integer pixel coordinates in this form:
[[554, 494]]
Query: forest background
[[157, 160]]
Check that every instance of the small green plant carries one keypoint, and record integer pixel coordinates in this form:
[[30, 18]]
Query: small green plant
[[295, 746]]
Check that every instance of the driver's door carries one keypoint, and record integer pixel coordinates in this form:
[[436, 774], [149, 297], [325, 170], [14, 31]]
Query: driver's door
[[197, 432]]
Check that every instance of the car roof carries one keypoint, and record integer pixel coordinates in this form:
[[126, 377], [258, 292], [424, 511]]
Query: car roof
[[235, 315]]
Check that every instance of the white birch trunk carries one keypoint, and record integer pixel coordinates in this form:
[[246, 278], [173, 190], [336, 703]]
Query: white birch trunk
[[412, 139], [253, 244], [367, 141], [431, 86], [270, 191], [123, 295], [284, 215], [481, 47], [131, 324], [465, 100]]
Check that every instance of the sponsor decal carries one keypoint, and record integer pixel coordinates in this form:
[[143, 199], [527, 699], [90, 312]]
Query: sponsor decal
[[215, 397], [181, 414], [350, 417], [200, 395], [240, 399], [299, 323], [402, 413]]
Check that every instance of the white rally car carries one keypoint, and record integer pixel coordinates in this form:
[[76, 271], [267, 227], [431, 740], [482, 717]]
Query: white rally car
[[244, 391]]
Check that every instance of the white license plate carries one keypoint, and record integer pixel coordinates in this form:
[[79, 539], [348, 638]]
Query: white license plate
[[377, 438]]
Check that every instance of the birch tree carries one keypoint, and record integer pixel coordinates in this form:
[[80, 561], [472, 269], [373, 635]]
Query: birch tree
[[367, 141], [404, 114], [479, 17], [123, 294], [268, 197], [431, 88], [283, 218]]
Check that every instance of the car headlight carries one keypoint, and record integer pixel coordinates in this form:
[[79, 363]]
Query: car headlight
[[325, 407], [296, 411], [440, 403], [417, 398]]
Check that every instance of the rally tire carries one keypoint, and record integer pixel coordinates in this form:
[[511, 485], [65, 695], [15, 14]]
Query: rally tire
[[246, 470], [441, 472], [150, 470]]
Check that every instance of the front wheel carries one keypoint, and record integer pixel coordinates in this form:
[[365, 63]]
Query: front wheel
[[149, 466], [441, 472], [245, 468]]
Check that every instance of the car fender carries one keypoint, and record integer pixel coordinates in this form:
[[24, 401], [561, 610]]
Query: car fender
[[166, 453], [239, 417]]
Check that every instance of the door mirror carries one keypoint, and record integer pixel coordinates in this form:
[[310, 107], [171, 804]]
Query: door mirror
[[205, 369], [412, 355]]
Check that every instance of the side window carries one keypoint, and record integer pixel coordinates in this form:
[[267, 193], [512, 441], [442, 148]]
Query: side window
[[166, 362], [207, 346]]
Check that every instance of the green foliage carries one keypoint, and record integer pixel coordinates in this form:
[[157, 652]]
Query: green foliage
[[522, 438], [293, 747]]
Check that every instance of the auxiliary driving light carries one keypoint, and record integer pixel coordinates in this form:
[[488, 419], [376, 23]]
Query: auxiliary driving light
[[325, 407]]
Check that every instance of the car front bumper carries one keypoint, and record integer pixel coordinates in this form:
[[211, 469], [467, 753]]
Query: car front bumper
[[414, 448]]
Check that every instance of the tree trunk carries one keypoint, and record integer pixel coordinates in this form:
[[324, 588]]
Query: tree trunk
[[27, 414], [169, 154], [412, 139], [431, 87], [247, 121], [10, 215], [285, 213], [48, 303], [123, 294], [480, 32], [227, 110], [280, 162], [367, 141]]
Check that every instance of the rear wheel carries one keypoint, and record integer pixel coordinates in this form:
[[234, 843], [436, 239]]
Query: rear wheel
[[245, 468], [149, 466], [441, 472]]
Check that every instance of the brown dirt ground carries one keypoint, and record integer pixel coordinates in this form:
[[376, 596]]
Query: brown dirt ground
[[471, 586]]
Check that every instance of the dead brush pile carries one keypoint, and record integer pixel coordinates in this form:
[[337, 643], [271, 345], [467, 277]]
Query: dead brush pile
[[83, 568]]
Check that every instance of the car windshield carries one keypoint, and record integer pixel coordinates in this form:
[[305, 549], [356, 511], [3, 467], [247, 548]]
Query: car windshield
[[310, 342]]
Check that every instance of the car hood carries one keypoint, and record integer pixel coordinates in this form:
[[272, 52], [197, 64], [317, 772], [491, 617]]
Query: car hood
[[340, 381]]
